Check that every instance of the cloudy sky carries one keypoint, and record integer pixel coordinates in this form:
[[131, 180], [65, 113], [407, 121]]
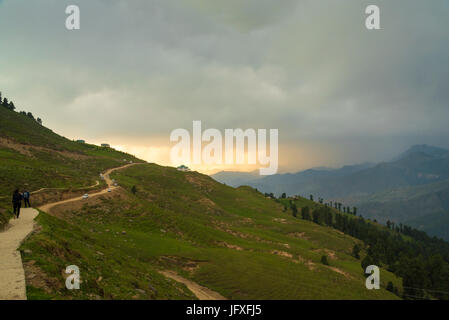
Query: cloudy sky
[[337, 92]]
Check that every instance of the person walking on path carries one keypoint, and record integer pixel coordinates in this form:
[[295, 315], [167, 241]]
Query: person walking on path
[[17, 203], [26, 199]]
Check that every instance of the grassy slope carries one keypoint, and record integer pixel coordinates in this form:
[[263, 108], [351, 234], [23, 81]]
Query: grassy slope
[[35, 157], [182, 220]]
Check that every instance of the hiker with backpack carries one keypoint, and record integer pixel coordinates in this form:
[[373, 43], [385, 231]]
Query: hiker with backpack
[[17, 202], [26, 199]]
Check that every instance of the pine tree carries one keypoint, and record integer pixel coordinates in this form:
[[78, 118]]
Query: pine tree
[[305, 213], [294, 210]]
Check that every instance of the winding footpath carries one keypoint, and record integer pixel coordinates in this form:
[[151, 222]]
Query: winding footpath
[[107, 179], [52, 189], [12, 275]]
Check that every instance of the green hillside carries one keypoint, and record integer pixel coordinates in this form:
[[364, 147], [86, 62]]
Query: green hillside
[[233, 241], [33, 157], [237, 242], [412, 189]]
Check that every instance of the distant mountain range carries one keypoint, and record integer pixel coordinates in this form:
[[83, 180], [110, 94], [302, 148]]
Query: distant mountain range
[[160, 220], [236, 179], [412, 188]]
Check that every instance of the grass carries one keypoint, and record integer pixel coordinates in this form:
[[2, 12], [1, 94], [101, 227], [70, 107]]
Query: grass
[[108, 270], [34, 157], [233, 241]]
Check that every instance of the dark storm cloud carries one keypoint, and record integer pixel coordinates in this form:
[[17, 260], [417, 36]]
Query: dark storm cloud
[[138, 69]]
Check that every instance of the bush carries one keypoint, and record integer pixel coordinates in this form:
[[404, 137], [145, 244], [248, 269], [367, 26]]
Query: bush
[[324, 260], [368, 261], [356, 251], [390, 286]]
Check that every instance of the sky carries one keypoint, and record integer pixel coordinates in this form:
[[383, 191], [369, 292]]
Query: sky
[[136, 70]]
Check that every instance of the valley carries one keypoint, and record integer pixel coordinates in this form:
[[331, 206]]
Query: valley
[[188, 224], [410, 189], [167, 234]]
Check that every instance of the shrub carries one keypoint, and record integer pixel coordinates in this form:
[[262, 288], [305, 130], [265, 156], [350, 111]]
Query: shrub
[[324, 260]]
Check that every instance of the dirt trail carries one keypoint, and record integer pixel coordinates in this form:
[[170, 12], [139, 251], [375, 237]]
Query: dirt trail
[[12, 276], [200, 292], [107, 179], [43, 189]]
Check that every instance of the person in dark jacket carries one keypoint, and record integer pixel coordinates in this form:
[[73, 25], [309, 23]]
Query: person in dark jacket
[[17, 203], [26, 199]]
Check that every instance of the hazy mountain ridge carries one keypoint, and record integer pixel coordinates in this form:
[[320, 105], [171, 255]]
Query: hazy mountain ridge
[[424, 148], [235, 178], [163, 219], [393, 190]]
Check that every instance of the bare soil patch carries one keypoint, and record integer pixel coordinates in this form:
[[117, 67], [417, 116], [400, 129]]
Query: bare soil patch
[[65, 210], [335, 269], [186, 264], [298, 235], [331, 254], [282, 253], [202, 293], [280, 220], [27, 150], [37, 278], [230, 246]]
